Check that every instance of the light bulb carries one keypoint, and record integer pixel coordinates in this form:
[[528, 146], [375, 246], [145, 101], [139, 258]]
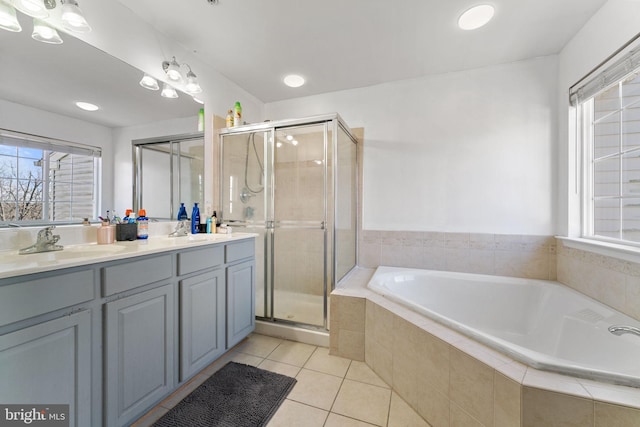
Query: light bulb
[[8, 19], [173, 70], [72, 17], [168, 91], [192, 86], [44, 33], [33, 8], [149, 82]]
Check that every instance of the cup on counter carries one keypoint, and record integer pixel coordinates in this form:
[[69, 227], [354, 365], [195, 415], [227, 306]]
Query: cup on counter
[[106, 233]]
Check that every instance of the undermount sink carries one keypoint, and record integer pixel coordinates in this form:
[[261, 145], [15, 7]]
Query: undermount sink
[[92, 250], [206, 237]]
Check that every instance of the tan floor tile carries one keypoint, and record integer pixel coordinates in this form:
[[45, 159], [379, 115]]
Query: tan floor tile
[[294, 414], [315, 389], [335, 420], [360, 371], [280, 368], [246, 359], [402, 415], [363, 402], [321, 361], [259, 345], [293, 353]]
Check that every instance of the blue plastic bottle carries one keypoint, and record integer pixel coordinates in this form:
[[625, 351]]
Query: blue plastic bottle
[[143, 224], [182, 213], [195, 219]]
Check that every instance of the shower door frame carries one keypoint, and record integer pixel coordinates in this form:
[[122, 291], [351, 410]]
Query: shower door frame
[[332, 123]]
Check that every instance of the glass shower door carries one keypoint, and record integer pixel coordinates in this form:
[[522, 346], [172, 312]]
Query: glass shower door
[[299, 233]]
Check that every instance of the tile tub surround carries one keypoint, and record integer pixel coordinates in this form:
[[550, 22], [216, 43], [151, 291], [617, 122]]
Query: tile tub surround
[[451, 380], [526, 256], [612, 281]]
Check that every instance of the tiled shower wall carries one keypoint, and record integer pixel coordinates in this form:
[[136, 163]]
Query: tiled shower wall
[[609, 280], [524, 256]]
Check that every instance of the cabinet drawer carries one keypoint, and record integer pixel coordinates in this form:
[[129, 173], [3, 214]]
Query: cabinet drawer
[[199, 259], [239, 250], [130, 275], [31, 298]]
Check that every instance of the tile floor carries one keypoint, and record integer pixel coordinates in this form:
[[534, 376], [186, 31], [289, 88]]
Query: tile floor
[[330, 392]]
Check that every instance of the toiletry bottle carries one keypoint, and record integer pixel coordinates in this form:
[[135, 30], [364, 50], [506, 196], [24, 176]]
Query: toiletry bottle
[[237, 114], [182, 213], [209, 225], [195, 219], [127, 216], [201, 120], [215, 216], [214, 223], [229, 120], [143, 224]]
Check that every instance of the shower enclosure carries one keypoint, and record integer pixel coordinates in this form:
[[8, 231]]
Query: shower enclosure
[[294, 183]]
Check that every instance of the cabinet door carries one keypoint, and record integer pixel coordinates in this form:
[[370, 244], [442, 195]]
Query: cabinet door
[[202, 321], [139, 349], [241, 307], [49, 363]]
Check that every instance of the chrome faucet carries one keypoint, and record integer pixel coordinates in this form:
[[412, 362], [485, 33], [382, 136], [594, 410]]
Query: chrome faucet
[[45, 242], [182, 229], [620, 329]]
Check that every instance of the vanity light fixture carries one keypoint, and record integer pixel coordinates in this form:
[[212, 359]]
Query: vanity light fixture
[[149, 82], [87, 106], [72, 17], [33, 8], [45, 33], [293, 80], [172, 69], [476, 17], [168, 91], [8, 18], [192, 87]]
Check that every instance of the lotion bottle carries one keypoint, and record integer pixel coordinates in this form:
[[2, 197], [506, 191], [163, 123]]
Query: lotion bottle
[[195, 219]]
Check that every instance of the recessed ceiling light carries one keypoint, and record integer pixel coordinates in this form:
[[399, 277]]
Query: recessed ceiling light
[[294, 80], [87, 106], [476, 17]]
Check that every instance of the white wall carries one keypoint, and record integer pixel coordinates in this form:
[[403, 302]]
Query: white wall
[[31, 120], [608, 30], [470, 151]]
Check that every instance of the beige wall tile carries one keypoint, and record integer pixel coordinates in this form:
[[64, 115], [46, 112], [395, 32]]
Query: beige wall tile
[[543, 408], [471, 386], [607, 415], [506, 402], [351, 344], [351, 314], [433, 406], [632, 297], [459, 418], [402, 415], [531, 265]]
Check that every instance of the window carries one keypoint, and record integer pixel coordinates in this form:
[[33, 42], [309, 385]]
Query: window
[[608, 107], [47, 180]]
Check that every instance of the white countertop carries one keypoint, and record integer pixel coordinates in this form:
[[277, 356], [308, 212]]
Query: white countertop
[[12, 264]]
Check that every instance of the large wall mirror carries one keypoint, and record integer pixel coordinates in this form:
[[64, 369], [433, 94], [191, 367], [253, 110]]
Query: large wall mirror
[[38, 79]]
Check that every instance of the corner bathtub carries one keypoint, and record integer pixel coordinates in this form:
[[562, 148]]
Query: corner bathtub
[[541, 323]]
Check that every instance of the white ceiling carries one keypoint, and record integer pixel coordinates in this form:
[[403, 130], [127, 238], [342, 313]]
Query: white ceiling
[[343, 44]]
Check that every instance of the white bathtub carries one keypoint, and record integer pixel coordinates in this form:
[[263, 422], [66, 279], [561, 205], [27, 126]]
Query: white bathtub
[[541, 323]]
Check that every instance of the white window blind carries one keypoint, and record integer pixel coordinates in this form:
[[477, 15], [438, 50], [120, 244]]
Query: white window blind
[[47, 180]]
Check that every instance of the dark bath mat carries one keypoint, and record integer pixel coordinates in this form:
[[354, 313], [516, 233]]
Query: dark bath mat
[[236, 396]]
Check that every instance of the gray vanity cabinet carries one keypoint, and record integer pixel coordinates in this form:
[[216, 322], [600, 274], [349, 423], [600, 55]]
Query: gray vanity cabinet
[[139, 353], [241, 286], [202, 321], [49, 363]]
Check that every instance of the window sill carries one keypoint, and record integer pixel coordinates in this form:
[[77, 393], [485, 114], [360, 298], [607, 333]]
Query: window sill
[[623, 252]]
